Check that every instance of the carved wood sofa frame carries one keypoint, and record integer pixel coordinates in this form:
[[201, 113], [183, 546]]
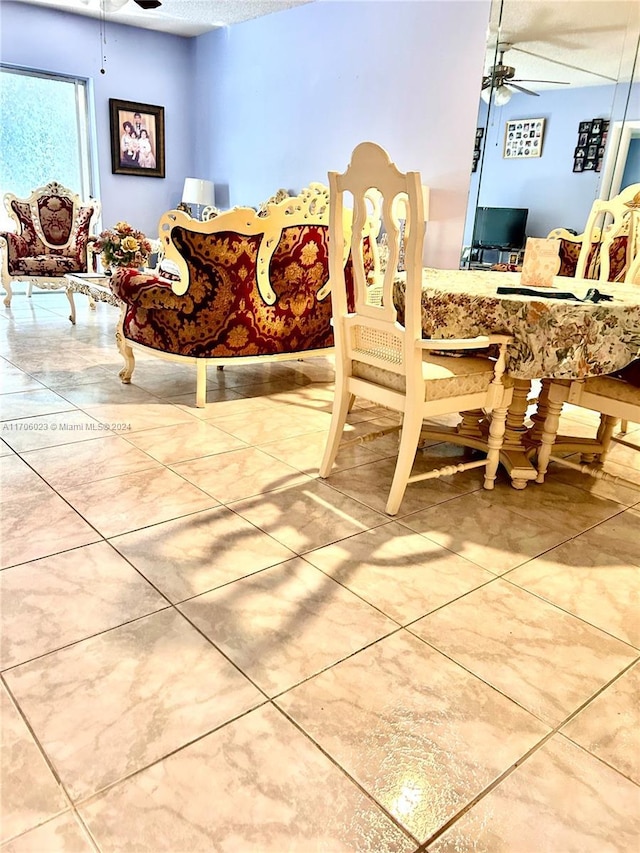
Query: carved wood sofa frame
[[251, 287]]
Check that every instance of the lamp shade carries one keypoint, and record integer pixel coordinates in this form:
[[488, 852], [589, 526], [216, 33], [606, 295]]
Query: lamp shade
[[197, 191]]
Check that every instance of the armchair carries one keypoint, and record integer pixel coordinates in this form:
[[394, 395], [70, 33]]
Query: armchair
[[51, 240]]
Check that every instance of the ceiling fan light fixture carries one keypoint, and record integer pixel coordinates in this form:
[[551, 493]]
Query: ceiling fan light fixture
[[485, 94], [502, 95]]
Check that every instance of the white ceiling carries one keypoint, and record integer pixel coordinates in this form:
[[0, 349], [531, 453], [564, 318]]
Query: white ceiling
[[583, 42], [179, 17]]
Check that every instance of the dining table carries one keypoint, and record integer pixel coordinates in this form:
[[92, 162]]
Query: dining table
[[553, 336]]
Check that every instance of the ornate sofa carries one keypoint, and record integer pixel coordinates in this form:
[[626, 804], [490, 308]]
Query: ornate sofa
[[249, 287], [53, 238]]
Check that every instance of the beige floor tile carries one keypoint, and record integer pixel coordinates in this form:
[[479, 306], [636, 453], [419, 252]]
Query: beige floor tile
[[594, 576], [555, 504], [17, 479], [134, 416], [104, 589], [306, 455], [88, 461], [307, 516], [109, 391], [181, 442], [491, 536], [13, 379], [132, 501], [30, 792], [272, 789], [51, 430], [277, 425], [32, 404], [286, 623], [420, 734], [371, 483], [239, 474], [400, 572], [609, 726], [63, 834], [560, 799], [598, 488], [191, 555], [77, 372], [114, 703], [220, 402], [544, 659], [38, 525]]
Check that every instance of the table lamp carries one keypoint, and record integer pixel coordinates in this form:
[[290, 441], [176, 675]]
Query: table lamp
[[196, 192]]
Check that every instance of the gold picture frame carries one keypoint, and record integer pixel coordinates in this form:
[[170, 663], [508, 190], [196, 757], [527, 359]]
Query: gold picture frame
[[523, 138]]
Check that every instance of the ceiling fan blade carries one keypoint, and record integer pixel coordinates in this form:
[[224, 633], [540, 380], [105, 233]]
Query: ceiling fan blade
[[512, 85], [555, 82], [148, 4]]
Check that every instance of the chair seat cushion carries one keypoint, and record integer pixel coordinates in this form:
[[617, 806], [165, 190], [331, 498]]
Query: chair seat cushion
[[46, 265], [614, 389], [443, 376]]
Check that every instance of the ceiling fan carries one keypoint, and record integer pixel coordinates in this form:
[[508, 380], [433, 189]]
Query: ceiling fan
[[114, 5], [501, 80]]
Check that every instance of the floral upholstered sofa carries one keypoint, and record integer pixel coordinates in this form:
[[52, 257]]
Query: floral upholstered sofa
[[249, 287], [52, 239]]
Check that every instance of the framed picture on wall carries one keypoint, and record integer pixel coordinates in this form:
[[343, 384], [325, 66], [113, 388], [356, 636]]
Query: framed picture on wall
[[137, 138], [523, 138]]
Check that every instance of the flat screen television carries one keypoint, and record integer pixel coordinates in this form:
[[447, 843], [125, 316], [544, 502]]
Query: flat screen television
[[500, 227]]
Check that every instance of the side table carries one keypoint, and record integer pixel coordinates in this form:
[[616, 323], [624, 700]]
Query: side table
[[93, 285]]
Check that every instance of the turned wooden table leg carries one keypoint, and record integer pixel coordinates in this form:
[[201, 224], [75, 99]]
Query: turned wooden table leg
[[515, 453]]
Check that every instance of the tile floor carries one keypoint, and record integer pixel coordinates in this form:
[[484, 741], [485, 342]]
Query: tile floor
[[205, 647]]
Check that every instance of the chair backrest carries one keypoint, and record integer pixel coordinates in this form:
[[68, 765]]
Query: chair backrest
[[52, 218], [611, 239], [370, 332]]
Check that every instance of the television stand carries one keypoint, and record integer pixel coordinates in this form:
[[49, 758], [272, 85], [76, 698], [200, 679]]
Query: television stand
[[485, 257]]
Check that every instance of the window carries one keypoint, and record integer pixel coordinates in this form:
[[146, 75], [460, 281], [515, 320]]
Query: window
[[44, 134]]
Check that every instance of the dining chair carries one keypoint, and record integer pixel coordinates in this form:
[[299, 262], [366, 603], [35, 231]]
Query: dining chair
[[612, 398], [389, 364], [609, 247]]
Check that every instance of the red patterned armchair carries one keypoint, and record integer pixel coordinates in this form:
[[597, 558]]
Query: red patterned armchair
[[52, 238], [249, 287], [607, 249]]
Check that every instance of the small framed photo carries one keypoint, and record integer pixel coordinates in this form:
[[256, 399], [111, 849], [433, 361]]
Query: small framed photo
[[584, 127], [523, 138], [592, 150], [137, 139], [589, 165], [582, 139], [596, 127], [578, 164]]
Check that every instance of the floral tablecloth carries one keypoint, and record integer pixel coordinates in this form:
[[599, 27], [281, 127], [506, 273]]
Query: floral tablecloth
[[564, 339]]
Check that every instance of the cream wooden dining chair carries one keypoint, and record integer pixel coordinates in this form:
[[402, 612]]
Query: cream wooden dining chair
[[613, 398], [389, 364]]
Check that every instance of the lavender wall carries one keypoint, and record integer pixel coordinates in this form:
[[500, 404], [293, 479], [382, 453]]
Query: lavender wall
[[555, 195], [288, 97], [141, 65]]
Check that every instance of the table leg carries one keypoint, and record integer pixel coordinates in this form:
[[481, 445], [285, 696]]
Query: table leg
[[515, 454], [72, 316]]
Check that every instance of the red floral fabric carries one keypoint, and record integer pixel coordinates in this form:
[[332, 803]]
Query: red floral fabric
[[222, 313], [28, 255], [570, 250]]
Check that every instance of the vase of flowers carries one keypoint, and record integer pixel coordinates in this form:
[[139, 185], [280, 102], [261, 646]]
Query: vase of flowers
[[122, 246]]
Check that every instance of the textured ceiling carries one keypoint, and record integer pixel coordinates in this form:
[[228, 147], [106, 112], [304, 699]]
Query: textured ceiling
[[180, 17], [582, 42]]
